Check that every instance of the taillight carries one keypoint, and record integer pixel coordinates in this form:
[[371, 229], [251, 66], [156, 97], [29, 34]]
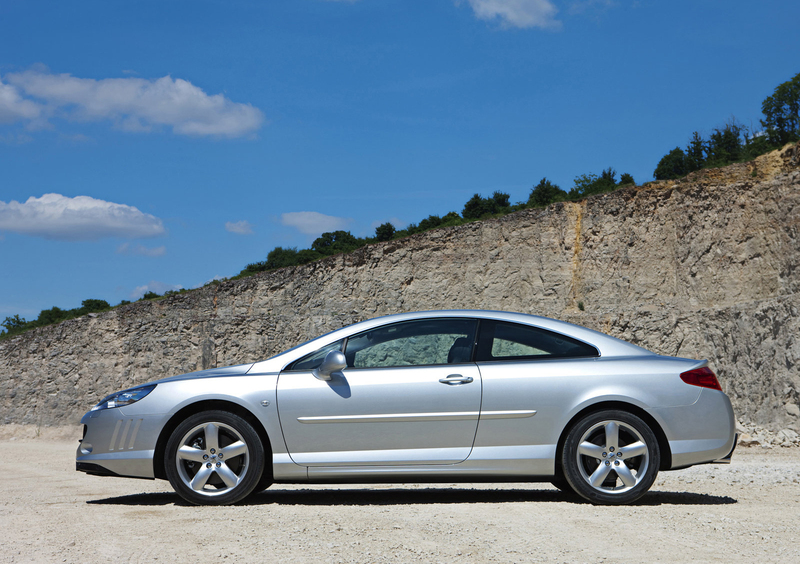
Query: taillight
[[703, 377]]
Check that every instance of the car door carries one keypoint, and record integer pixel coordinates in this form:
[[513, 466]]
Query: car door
[[410, 395], [530, 375]]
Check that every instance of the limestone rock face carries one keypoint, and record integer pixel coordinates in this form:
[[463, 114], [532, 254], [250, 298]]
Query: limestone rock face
[[703, 267]]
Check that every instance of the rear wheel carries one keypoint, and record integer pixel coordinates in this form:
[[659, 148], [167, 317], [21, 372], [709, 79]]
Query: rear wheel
[[611, 457], [214, 458]]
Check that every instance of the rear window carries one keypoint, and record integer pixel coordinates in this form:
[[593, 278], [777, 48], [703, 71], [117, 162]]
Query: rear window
[[499, 340]]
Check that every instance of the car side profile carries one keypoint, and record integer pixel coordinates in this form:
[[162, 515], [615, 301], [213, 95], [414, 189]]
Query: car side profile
[[456, 396]]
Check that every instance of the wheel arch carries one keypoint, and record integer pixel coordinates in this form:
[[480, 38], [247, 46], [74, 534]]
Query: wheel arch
[[663, 443], [159, 470]]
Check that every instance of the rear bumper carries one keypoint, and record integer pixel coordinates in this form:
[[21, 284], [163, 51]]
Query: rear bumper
[[699, 433], [727, 459]]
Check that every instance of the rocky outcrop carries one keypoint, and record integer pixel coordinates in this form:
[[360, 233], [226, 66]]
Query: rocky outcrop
[[703, 267]]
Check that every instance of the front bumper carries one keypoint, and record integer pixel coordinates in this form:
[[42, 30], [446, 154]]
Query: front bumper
[[116, 445]]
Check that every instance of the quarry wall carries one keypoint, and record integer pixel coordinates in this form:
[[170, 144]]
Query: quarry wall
[[703, 267]]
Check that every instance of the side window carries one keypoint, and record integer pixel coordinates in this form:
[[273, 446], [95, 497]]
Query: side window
[[413, 343], [510, 341], [313, 360]]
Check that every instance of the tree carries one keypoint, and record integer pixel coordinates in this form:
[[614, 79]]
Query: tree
[[280, 257], [385, 232], [52, 315], [695, 153], [430, 222], [335, 242], [91, 306], [477, 207], [672, 165], [606, 182], [14, 324], [724, 145], [782, 112], [304, 256], [545, 193], [451, 218], [626, 179], [589, 184]]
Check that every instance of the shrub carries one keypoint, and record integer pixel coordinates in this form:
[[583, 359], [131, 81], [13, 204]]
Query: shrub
[[724, 146], [335, 242], [782, 113], [385, 232], [430, 222], [14, 324], [92, 306], [626, 179], [672, 165], [545, 193], [589, 184], [478, 207]]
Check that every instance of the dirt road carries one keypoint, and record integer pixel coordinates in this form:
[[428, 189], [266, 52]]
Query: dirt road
[[746, 512]]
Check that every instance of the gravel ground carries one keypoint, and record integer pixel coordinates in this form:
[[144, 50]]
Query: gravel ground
[[746, 512]]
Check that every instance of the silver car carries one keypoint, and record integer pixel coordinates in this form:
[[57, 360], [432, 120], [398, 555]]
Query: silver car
[[467, 396]]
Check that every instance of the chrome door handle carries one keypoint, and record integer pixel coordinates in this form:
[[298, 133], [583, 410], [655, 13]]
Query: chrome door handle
[[456, 379]]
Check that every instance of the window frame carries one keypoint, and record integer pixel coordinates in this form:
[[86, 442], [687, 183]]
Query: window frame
[[473, 345], [291, 366], [482, 351]]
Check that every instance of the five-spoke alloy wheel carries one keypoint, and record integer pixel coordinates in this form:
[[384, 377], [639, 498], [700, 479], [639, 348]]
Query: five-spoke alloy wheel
[[611, 457], [214, 458]]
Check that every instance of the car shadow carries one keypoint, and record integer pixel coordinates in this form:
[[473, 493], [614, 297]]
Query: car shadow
[[426, 496]]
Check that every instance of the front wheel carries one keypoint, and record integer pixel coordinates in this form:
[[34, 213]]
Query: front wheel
[[214, 458], [611, 457]]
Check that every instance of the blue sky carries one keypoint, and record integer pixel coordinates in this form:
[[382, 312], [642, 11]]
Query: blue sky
[[155, 145]]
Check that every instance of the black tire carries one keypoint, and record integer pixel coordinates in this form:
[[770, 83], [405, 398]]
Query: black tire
[[611, 457], [264, 483], [214, 458], [560, 482]]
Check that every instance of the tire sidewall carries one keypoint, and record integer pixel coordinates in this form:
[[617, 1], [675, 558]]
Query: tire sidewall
[[581, 486], [253, 472]]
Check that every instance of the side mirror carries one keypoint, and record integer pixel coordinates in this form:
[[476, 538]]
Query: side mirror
[[334, 362]]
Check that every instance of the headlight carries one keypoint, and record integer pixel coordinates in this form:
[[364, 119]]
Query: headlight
[[126, 397]]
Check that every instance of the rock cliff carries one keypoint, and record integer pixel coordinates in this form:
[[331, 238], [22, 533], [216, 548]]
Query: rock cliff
[[703, 267]]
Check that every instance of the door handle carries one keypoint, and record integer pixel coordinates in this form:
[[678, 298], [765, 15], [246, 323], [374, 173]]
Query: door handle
[[456, 379]]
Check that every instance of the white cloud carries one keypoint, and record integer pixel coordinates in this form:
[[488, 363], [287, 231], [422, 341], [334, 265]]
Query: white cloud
[[242, 227], [13, 107], [314, 223], [133, 104], [583, 6], [15, 139], [153, 286], [517, 13], [127, 249], [81, 218]]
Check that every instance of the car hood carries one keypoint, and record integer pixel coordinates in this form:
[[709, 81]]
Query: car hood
[[237, 370]]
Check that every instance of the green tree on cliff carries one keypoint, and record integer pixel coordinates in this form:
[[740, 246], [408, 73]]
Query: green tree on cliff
[[385, 232], [478, 207], [782, 112], [545, 193]]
